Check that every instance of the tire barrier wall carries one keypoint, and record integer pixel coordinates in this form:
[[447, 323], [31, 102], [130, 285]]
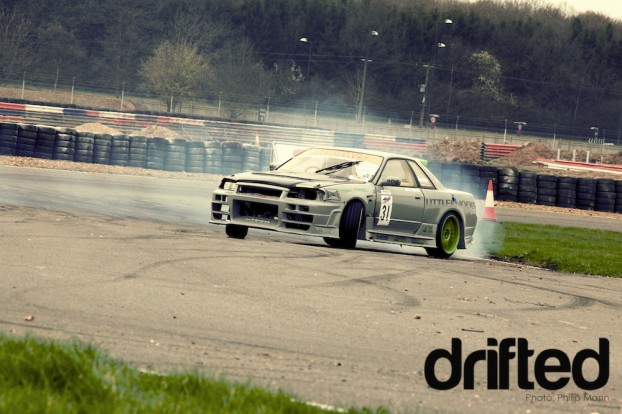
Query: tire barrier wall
[[31, 112], [179, 155], [510, 184], [229, 157]]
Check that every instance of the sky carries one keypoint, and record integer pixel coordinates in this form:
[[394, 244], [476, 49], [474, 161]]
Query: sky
[[610, 8]]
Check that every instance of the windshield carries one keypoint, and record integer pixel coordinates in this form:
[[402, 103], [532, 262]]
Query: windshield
[[334, 162]]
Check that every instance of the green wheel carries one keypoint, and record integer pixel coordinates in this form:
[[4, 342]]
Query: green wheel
[[447, 237]]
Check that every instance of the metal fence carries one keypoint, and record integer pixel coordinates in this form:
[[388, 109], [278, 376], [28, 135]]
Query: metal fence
[[126, 97]]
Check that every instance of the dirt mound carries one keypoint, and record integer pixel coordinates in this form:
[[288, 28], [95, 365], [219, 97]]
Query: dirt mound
[[524, 158], [157, 131], [526, 155], [97, 128], [467, 152]]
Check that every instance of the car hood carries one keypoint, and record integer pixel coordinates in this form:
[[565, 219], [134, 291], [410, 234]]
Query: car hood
[[290, 180]]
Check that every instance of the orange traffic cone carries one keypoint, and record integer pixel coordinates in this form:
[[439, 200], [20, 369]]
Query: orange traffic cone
[[489, 204]]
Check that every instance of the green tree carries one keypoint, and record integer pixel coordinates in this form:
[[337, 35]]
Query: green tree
[[487, 80], [175, 72]]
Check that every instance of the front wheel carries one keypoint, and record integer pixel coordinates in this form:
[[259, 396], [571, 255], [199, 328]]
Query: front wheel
[[349, 227], [236, 231], [448, 237]]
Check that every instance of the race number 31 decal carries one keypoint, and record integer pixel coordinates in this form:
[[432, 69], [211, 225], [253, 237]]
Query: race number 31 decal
[[386, 205]]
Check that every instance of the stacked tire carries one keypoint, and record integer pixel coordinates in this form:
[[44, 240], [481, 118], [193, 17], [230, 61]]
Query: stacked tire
[[213, 157], [45, 143], [586, 193], [232, 157], [450, 175], [120, 150], [619, 196], [487, 173], [605, 195], [507, 187], [85, 141], [469, 178], [175, 159], [138, 151], [527, 187], [65, 148], [195, 156], [547, 190], [26, 140], [101, 148], [8, 138], [567, 192], [156, 153], [251, 157]]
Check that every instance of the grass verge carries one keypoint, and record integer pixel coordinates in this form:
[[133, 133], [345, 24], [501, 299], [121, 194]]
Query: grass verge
[[38, 376], [566, 249]]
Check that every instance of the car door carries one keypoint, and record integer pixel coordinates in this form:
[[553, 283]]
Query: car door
[[400, 203]]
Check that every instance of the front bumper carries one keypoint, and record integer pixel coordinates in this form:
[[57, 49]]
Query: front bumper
[[273, 208]]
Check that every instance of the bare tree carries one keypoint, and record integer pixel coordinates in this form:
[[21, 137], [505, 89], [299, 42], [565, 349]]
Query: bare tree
[[241, 78], [59, 47], [175, 72], [197, 29], [15, 41]]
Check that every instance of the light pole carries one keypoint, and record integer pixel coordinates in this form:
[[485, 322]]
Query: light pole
[[427, 95], [362, 90], [306, 40]]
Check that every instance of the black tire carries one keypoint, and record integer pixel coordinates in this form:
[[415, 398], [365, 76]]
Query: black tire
[[349, 226], [232, 145], [547, 177], [605, 185], [527, 175], [448, 236], [8, 126], [332, 242], [508, 179], [527, 188], [236, 231], [42, 129], [561, 192], [546, 200], [528, 199], [547, 191]]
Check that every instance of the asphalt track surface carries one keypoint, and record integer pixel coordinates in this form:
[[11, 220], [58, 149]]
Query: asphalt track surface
[[129, 263]]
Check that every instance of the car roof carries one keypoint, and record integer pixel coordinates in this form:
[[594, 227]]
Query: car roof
[[366, 151]]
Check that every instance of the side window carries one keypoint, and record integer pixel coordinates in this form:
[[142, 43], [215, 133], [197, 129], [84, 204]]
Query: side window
[[424, 180], [398, 169]]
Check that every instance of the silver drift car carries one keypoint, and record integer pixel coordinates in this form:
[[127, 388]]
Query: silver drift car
[[345, 195]]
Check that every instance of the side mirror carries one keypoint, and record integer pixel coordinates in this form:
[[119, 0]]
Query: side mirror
[[390, 182]]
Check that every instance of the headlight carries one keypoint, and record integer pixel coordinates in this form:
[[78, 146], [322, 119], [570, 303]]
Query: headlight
[[229, 185], [331, 195]]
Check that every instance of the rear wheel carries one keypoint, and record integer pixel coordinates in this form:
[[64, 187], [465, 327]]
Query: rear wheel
[[236, 231], [447, 237], [348, 227]]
